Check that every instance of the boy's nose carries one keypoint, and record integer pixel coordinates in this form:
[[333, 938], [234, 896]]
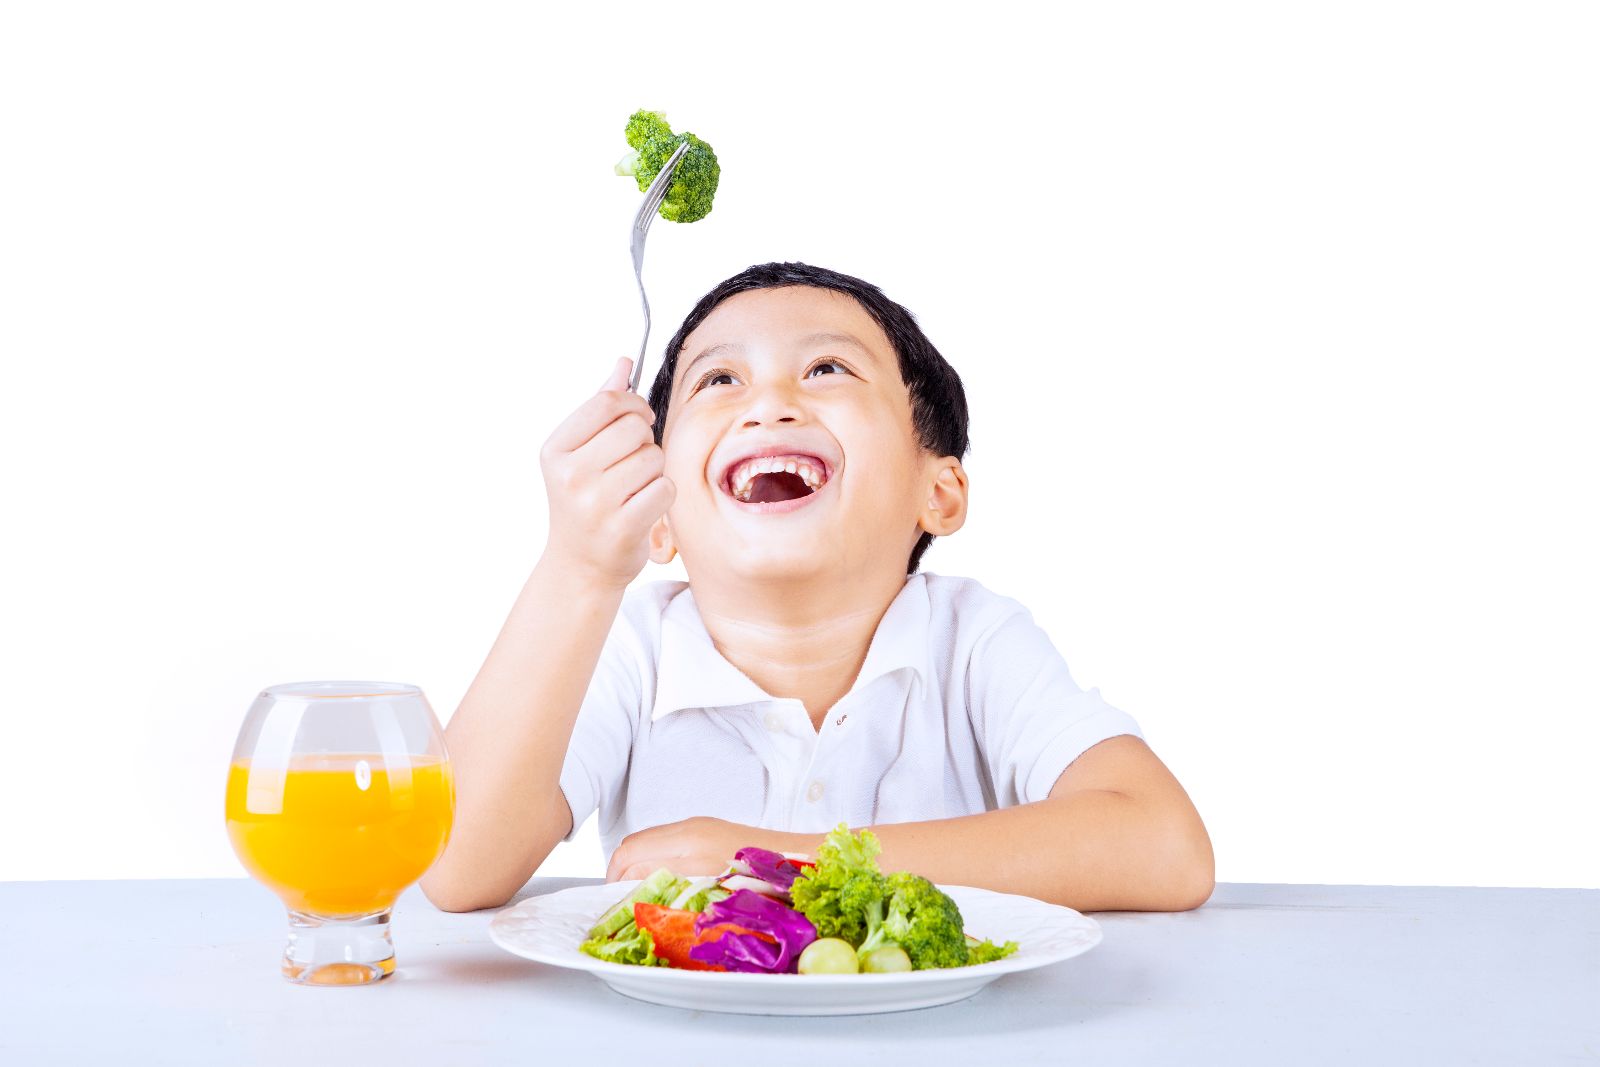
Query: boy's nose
[[772, 405]]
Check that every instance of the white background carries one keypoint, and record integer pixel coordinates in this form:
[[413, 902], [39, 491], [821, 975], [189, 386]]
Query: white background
[[1279, 326]]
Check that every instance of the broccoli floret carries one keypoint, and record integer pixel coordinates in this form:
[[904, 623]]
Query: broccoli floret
[[694, 183], [924, 921], [987, 951], [849, 908], [646, 126], [652, 142], [843, 894]]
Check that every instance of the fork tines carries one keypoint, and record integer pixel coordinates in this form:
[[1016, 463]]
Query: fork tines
[[658, 190]]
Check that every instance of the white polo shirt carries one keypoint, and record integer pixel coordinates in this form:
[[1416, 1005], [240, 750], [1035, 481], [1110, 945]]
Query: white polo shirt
[[962, 706]]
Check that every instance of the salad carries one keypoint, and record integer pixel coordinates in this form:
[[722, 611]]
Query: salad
[[771, 913]]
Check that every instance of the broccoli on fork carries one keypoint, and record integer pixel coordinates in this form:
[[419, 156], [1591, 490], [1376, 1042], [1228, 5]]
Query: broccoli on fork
[[694, 183], [643, 127]]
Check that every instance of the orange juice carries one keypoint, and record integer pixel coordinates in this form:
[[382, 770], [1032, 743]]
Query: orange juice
[[339, 835]]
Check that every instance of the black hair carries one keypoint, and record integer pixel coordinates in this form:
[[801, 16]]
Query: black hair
[[938, 402]]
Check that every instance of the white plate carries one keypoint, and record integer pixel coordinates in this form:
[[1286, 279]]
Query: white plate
[[550, 928]]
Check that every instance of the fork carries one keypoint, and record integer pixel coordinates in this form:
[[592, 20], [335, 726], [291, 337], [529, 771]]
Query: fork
[[641, 227]]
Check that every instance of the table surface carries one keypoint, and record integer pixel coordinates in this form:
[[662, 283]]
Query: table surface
[[187, 972]]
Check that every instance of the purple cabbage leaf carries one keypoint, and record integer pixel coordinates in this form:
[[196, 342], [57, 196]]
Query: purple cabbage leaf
[[790, 932], [769, 866]]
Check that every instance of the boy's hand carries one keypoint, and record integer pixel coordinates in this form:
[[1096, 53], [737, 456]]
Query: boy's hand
[[603, 476], [697, 846]]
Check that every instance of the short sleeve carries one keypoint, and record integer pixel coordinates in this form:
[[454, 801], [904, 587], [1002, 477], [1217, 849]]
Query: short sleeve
[[596, 765], [1030, 717]]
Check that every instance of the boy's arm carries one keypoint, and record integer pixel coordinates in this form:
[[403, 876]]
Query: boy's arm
[[508, 739], [1117, 833]]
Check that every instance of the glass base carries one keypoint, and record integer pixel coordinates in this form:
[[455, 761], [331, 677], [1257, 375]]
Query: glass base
[[351, 950]]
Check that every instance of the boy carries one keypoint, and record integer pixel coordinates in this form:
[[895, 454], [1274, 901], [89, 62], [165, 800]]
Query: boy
[[801, 449]]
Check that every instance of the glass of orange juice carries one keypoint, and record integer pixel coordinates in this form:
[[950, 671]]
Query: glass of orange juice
[[339, 797]]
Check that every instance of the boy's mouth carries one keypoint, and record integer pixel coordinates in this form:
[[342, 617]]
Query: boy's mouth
[[775, 479]]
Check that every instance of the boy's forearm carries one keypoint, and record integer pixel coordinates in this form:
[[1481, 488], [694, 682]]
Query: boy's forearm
[[1091, 850], [509, 737], [1116, 833]]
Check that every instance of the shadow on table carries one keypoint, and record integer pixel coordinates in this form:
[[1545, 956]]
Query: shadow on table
[[499, 970], [544, 886]]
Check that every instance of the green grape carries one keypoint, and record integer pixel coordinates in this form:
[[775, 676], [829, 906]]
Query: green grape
[[889, 959], [828, 955]]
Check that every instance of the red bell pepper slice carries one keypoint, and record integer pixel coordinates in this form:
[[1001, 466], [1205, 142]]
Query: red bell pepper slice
[[672, 934]]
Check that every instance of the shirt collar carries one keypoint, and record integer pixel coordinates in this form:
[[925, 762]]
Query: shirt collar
[[691, 673]]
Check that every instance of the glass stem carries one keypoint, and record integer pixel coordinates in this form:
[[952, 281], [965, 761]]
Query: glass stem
[[350, 950]]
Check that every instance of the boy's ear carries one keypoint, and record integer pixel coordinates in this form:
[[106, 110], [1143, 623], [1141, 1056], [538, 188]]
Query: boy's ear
[[946, 510], [661, 547]]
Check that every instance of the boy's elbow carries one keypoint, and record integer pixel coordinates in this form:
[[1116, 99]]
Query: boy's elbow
[[453, 897], [1192, 891], [1192, 870]]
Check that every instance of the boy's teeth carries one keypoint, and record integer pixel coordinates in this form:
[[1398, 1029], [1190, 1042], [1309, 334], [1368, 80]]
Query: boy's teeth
[[743, 477]]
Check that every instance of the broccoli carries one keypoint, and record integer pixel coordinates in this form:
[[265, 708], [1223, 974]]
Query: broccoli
[[987, 951], [924, 921], [843, 894], [644, 127], [694, 183]]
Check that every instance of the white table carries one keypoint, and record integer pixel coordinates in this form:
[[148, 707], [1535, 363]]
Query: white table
[[187, 972]]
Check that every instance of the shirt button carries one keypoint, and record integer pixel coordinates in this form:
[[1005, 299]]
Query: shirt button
[[814, 794], [773, 722]]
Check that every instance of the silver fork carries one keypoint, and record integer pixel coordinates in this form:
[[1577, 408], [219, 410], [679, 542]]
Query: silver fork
[[641, 227]]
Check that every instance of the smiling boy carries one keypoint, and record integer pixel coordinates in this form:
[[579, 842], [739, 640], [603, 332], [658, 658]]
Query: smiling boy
[[801, 450]]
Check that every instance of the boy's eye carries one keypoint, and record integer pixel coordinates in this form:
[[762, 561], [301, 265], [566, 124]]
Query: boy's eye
[[714, 377], [828, 366]]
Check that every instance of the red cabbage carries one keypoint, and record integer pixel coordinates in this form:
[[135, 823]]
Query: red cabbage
[[790, 932], [739, 952], [770, 866]]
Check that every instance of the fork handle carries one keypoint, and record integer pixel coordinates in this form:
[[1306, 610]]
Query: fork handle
[[638, 364]]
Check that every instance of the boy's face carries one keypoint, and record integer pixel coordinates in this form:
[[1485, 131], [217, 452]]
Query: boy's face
[[803, 377]]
